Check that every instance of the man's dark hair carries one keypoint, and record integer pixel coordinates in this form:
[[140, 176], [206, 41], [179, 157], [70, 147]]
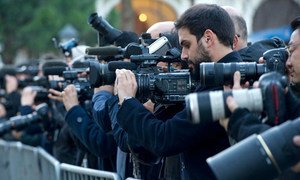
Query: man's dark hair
[[201, 17], [295, 24]]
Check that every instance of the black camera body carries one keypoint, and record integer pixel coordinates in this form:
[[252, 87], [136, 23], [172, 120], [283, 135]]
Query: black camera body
[[164, 88], [67, 76], [205, 107], [82, 84], [219, 74], [41, 94]]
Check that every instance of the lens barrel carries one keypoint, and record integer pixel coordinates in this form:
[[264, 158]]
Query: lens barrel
[[219, 74], [263, 156], [207, 106]]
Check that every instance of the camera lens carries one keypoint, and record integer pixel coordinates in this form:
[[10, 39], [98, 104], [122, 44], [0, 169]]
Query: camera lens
[[263, 156], [206, 106], [100, 75], [219, 74]]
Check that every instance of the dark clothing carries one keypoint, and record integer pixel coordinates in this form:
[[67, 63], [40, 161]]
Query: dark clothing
[[12, 104], [150, 167], [242, 123], [65, 150], [93, 137], [177, 135], [295, 88], [171, 164]]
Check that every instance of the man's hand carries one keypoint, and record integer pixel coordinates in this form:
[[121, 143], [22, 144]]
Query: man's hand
[[125, 85], [237, 82], [55, 95], [149, 105], [232, 105], [69, 96], [296, 141], [28, 95], [11, 83]]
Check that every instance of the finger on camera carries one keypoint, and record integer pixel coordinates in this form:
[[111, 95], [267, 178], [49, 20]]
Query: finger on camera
[[232, 105]]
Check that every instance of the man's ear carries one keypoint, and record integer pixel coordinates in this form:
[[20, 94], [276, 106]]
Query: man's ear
[[209, 37], [235, 41]]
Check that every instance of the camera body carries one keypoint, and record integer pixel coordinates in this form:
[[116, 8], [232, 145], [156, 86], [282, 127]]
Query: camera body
[[219, 74], [164, 88]]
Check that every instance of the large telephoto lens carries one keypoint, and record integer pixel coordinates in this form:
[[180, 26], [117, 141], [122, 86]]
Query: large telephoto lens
[[211, 106], [263, 156], [219, 74]]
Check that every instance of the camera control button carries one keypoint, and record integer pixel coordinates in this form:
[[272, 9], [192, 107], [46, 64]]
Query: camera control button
[[79, 119]]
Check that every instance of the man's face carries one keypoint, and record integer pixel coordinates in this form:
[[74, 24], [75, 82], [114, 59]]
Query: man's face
[[193, 51], [293, 62]]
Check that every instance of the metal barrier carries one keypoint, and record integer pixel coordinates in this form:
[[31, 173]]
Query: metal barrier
[[69, 172], [18, 161], [49, 166]]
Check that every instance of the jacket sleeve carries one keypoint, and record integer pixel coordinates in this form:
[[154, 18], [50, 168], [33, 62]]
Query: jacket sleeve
[[292, 105], [89, 133], [100, 111], [164, 138], [243, 123], [120, 135]]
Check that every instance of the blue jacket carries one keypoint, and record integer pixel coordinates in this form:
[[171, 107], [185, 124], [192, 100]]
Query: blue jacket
[[195, 142], [124, 161], [100, 142]]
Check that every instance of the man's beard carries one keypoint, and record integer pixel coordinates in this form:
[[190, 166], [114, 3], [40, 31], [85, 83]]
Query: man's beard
[[201, 56]]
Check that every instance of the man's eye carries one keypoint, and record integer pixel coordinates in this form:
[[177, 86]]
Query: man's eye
[[186, 46]]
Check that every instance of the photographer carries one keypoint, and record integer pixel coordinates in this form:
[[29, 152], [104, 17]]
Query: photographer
[[86, 130], [238, 121], [293, 64], [202, 40], [34, 134], [242, 123], [12, 97]]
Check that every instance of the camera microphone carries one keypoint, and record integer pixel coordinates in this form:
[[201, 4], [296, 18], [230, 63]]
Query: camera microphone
[[104, 51], [113, 65], [54, 70]]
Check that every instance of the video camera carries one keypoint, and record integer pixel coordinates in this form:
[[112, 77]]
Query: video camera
[[219, 74], [29, 70], [71, 76], [204, 107], [20, 122], [165, 88]]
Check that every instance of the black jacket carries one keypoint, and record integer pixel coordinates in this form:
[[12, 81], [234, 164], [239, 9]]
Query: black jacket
[[243, 123], [177, 135]]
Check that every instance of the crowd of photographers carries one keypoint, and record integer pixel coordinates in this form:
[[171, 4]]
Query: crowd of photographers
[[190, 99]]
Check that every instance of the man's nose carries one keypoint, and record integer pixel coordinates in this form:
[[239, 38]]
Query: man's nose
[[184, 54], [288, 62]]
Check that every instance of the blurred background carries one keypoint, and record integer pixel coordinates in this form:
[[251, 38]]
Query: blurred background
[[27, 28]]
